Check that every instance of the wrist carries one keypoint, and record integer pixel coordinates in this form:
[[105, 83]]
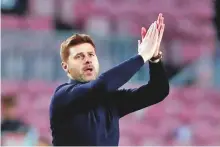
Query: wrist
[[156, 58], [155, 61], [143, 57]]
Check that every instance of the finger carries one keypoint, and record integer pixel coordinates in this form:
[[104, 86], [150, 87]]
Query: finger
[[160, 27], [159, 16], [154, 33], [150, 29], [159, 20], [151, 35], [162, 20], [147, 36], [160, 36], [155, 43], [161, 33], [139, 42], [143, 32]]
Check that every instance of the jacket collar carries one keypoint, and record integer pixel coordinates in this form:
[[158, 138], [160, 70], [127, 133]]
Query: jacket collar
[[71, 81]]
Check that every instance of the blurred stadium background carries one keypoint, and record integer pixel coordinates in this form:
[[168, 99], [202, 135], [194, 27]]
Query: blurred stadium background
[[31, 33]]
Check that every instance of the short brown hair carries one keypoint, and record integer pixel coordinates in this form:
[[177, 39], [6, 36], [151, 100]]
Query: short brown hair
[[72, 41]]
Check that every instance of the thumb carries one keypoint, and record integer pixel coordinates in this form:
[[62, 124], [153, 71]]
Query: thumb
[[143, 32], [139, 42]]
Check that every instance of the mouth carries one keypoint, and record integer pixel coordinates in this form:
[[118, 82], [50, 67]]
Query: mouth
[[88, 70]]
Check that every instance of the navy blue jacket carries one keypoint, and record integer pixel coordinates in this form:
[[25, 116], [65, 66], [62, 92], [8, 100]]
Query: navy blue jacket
[[87, 114]]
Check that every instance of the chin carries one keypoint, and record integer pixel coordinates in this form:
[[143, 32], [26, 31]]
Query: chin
[[90, 79], [87, 79]]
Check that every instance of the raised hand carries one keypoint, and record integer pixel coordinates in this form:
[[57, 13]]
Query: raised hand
[[148, 45], [160, 27]]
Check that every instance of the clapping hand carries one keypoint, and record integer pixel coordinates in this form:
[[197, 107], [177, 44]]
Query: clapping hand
[[156, 28]]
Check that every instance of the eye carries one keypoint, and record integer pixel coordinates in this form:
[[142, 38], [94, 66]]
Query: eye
[[91, 54], [77, 56]]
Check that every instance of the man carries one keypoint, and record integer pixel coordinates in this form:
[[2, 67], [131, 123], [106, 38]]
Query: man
[[86, 110]]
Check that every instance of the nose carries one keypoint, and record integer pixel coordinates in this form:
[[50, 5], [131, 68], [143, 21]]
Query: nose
[[88, 60]]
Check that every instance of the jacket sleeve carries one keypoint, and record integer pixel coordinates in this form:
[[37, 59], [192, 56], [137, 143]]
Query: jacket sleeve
[[156, 90]]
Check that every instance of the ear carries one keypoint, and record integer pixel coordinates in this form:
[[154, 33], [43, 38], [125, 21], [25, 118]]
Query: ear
[[65, 66]]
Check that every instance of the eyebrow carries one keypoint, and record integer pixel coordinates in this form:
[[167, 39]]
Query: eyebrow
[[78, 53], [82, 53], [91, 52]]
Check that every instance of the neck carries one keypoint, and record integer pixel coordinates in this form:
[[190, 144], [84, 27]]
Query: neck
[[70, 77], [80, 79]]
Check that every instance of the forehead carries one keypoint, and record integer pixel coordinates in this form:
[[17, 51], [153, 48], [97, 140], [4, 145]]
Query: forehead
[[82, 48]]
